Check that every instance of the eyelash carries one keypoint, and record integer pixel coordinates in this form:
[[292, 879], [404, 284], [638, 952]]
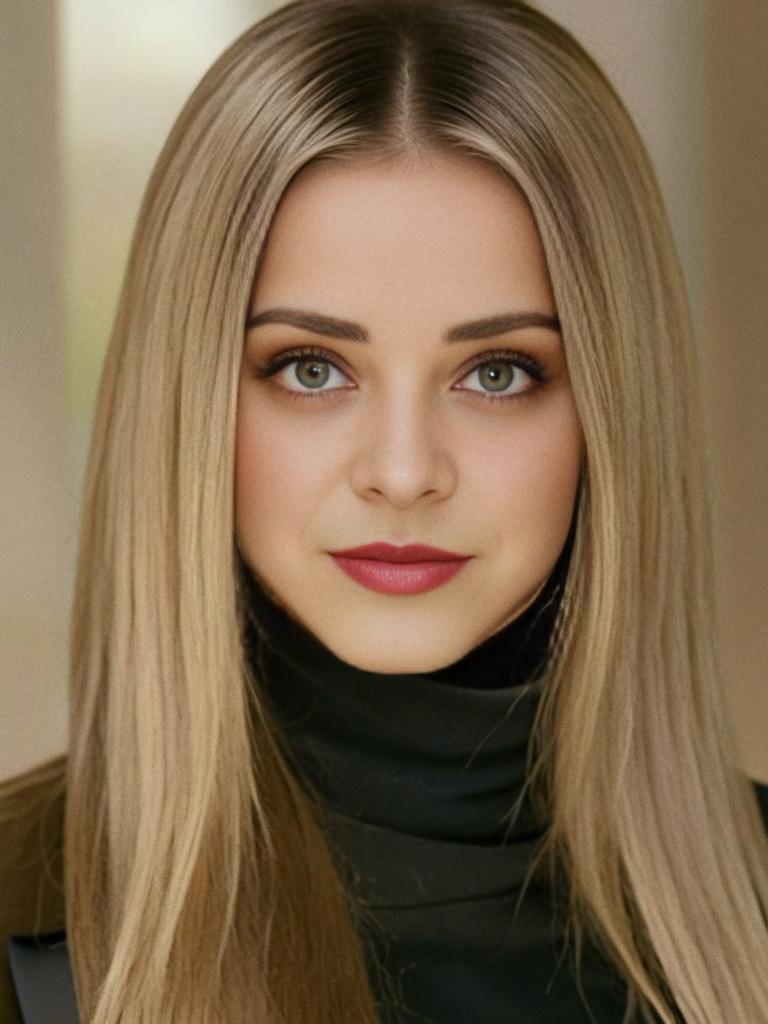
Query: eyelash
[[518, 359]]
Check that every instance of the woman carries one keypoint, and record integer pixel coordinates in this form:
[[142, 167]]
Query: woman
[[259, 825]]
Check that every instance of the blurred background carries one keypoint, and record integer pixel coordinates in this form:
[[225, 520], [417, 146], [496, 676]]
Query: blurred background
[[89, 91]]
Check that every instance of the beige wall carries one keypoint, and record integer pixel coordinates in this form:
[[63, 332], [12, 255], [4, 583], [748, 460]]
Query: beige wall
[[39, 492], [692, 73], [735, 314]]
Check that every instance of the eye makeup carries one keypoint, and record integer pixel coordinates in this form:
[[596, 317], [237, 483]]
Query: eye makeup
[[306, 353]]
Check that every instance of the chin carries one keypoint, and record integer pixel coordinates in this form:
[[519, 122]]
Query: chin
[[400, 662]]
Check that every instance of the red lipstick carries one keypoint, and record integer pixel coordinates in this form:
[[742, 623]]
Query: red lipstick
[[406, 569]]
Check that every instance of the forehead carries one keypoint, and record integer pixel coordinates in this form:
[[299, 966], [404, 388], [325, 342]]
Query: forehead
[[447, 229]]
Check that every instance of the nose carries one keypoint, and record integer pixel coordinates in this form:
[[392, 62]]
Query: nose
[[402, 455]]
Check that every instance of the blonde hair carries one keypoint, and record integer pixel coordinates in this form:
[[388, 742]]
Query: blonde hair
[[199, 884]]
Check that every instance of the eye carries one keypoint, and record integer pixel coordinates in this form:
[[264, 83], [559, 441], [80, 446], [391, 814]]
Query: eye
[[313, 368], [501, 370]]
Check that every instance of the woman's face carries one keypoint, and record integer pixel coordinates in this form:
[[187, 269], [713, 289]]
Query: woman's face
[[402, 438]]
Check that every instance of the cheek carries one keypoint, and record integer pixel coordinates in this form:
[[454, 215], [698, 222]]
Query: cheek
[[531, 476], [278, 470]]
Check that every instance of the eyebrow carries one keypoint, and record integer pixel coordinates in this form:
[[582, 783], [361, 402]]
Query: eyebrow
[[471, 330]]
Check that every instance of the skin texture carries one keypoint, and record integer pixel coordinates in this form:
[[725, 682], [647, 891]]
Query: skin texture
[[409, 447]]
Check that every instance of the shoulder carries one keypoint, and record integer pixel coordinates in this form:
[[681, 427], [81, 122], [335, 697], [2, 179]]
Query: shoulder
[[31, 863]]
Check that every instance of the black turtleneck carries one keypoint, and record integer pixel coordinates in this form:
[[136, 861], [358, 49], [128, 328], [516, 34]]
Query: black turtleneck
[[418, 774]]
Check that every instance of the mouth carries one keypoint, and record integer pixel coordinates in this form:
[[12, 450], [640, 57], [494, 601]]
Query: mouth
[[400, 577]]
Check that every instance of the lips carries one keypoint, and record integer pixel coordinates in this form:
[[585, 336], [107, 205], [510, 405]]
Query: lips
[[408, 569]]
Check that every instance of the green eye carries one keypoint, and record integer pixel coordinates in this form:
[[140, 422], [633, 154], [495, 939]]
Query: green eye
[[498, 371]]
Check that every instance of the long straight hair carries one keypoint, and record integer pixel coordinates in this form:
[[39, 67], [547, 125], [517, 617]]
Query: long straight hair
[[199, 884]]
